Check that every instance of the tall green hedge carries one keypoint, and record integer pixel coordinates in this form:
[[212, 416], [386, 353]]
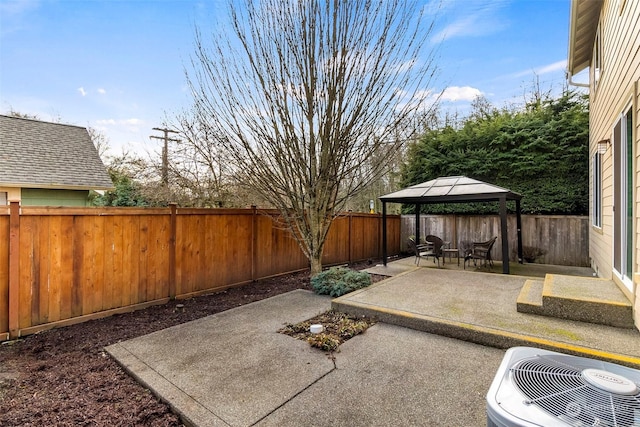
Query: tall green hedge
[[540, 152]]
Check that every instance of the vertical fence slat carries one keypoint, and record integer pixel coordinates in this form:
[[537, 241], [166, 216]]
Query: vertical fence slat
[[26, 272], [14, 270], [4, 275], [254, 241], [172, 251], [141, 251]]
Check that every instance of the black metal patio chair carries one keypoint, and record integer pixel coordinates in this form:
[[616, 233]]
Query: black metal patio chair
[[432, 248], [480, 251]]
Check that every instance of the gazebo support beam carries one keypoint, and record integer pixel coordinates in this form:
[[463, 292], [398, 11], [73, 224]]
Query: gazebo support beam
[[505, 236], [417, 223], [384, 233], [519, 226]]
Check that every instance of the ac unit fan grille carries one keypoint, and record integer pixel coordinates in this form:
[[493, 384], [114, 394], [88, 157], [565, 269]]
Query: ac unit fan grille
[[555, 384]]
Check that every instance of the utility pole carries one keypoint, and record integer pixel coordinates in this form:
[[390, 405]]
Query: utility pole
[[165, 153]]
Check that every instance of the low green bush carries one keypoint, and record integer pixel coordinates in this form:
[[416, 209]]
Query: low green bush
[[529, 253], [338, 281]]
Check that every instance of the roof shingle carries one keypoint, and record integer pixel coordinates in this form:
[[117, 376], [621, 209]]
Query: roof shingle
[[39, 154]]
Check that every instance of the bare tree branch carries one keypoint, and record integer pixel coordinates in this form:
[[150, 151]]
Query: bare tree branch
[[310, 96]]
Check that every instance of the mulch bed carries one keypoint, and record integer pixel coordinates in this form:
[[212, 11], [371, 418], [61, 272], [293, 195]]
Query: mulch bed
[[63, 377]]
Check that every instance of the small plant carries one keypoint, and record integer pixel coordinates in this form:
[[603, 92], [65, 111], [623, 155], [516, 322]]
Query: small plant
[[294, 329], [349, 328], [324, 342], [530, 253], [338, 281]]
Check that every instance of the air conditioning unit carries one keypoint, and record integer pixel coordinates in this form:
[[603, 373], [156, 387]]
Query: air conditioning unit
[[535, 387]]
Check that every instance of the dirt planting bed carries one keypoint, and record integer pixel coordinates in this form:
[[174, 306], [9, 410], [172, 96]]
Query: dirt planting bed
[[63, 377]]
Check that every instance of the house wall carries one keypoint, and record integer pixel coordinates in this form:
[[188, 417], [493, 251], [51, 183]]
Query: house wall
[[617, 89], [45, 197], [12, 194]]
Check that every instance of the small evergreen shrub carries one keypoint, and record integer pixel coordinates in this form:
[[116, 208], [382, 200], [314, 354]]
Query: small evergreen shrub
[[338, 281], [529, 253]]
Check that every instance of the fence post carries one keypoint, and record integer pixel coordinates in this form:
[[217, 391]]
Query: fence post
[[350, 240], [173, 210], [254, 241], [379, 235], [14, 270]]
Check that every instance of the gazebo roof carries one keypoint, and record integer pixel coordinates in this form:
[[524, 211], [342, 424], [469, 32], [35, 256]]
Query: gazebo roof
[[451, 189]]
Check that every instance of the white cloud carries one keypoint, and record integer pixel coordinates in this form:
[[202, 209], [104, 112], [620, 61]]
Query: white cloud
[[465, 26], [128, 134], [460, 93], [470, 19], [556, 66], [106, 122], [120, 122], [82, 91], [102, 91], [17, 7], [406, 66], [543, 69]]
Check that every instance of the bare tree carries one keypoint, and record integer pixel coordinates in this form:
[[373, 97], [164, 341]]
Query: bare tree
[[306, 92], [198, 166], [15, 113], [100, 141]]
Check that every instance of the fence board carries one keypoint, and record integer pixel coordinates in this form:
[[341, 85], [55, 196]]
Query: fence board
[[26, 271], [278, 251], [4, 273], [90, 284], [66, 267], [44, 233], [337, 246], [112, 229]]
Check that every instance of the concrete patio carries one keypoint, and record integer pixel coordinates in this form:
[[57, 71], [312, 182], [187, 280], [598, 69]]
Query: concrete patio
[[480, 305], [438, 326]]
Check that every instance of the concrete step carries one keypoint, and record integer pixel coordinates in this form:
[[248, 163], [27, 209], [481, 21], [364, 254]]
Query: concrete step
[[530, 297], [586, 299]]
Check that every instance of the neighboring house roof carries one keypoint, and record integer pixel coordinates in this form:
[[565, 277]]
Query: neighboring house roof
[[38, 154], [582, 32]]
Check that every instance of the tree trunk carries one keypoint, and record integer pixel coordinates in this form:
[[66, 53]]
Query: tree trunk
[[315, 260]]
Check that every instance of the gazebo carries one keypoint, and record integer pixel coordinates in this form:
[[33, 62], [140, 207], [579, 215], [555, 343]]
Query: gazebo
[[456, 189]]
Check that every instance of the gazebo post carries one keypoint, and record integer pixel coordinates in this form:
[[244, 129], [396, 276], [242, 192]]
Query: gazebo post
[[519, 225], [384, 233], [417, 223], [505, 236]]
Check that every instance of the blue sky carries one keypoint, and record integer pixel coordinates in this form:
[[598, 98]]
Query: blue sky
[[118, 65]]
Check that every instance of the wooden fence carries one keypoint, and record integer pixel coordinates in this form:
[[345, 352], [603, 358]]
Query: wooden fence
[[60, 266], [563, 239]]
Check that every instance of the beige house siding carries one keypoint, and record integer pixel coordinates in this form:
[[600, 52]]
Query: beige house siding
[[13, 194], [636, 117], [616, 91]]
